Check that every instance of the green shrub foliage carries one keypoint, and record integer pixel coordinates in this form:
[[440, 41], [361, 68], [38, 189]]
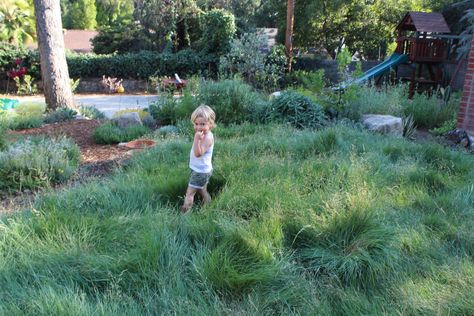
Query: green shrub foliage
[[91, 112], [29, 59], [139, 65], [110, 133], [121, 38], [218, 29], [246, 58], [37, 162], [59, 115], [232, 100], [296, 109]]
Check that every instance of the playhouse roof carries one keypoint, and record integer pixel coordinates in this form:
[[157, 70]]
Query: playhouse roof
[[432, 22]]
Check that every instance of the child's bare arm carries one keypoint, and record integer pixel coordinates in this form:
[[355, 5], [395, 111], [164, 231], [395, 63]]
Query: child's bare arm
[[202, 142]]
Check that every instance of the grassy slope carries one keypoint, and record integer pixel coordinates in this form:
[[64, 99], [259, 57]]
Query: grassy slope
[[333, 222]]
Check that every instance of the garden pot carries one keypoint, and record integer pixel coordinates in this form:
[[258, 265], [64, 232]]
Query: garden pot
[[140, 144]]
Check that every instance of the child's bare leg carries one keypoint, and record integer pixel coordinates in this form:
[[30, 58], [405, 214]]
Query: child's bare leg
[[206, 197], [188, 199]]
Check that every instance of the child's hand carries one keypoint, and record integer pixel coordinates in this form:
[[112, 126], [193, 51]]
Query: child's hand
[[199, 136]]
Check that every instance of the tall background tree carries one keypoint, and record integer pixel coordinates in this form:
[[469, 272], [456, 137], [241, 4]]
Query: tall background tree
[[290, 18], [54, 70], [79, 14], [17, 21]]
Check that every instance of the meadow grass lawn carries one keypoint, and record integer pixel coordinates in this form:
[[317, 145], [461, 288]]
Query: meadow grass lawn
[[337, 221]]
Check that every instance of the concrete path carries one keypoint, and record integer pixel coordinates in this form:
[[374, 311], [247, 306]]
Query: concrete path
[[106, 103]]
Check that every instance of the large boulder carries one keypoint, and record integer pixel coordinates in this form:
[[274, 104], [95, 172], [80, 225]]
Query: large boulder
[[385, 124], [128, 119]]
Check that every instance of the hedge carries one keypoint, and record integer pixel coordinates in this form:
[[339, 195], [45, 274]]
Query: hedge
[[140, 65]]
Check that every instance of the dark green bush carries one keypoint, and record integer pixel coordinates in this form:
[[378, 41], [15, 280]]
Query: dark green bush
[[29, 59], [140, 65], [110, 133], [59, 115], [296, 109], [121, 38], [218, 29]]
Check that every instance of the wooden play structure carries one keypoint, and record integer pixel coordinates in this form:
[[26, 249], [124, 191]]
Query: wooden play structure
[[424, 38]]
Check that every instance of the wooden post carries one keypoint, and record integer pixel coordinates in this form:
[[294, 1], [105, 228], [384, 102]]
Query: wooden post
[[290, 18]]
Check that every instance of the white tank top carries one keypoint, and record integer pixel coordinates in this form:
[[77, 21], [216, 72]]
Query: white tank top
[[202, 164]]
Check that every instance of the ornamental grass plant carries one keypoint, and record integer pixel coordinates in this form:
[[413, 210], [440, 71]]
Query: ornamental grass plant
[[333, 221], [36, 162]]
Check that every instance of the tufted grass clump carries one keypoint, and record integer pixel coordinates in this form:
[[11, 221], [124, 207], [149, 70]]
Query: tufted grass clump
[[235, 265], [351, 245], [37, 162], [111, 133]]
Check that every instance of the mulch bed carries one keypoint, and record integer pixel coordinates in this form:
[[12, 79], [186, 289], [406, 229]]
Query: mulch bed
[[96, 160]]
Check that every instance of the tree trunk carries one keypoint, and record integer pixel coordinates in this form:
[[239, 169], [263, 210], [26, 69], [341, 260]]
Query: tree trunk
[[290, 18], [54, 71]]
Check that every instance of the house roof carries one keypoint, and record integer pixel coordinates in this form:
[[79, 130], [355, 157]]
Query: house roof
[[79, 40], [432, 22]]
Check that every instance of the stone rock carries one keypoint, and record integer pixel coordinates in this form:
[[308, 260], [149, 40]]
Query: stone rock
[[275, 94], [385, 124], [128, 119], [471, 141], [456, 135]]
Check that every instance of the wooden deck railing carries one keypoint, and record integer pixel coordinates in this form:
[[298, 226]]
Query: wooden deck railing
[[422, 49]]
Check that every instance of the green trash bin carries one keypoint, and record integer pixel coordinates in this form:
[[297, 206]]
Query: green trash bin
[[8, 104]]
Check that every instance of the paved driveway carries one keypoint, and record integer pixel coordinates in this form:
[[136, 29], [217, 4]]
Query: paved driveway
[[108, 104]]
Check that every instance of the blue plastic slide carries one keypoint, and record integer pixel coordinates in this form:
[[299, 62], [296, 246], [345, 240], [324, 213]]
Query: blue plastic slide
[[394, 60]]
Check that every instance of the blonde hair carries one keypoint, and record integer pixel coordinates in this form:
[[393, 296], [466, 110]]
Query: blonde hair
[[206, 113]]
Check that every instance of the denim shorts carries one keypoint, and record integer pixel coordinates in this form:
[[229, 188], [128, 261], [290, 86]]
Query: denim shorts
[[199, 180]]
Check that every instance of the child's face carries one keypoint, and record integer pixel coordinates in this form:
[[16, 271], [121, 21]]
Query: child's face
[[201, 125]]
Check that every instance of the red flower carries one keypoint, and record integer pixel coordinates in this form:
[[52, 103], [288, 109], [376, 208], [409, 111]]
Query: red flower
[[18, 61]]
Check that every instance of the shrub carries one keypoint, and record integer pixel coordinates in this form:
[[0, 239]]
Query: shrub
[[218, 29], [3, 141], [37, 162], [121, 38], [91, 112], [26, 115], [296, 109], [262, 71], [140, 65], [232, 100], [110, 133], [164, 110], [308, 80], [29, 59], [429, 112], [447, 126], [59, 115]]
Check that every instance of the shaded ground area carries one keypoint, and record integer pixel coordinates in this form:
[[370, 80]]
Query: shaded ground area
[[96, 160]]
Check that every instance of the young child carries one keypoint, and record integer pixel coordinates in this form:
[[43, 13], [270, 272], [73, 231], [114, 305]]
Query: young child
[[200, 158]]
